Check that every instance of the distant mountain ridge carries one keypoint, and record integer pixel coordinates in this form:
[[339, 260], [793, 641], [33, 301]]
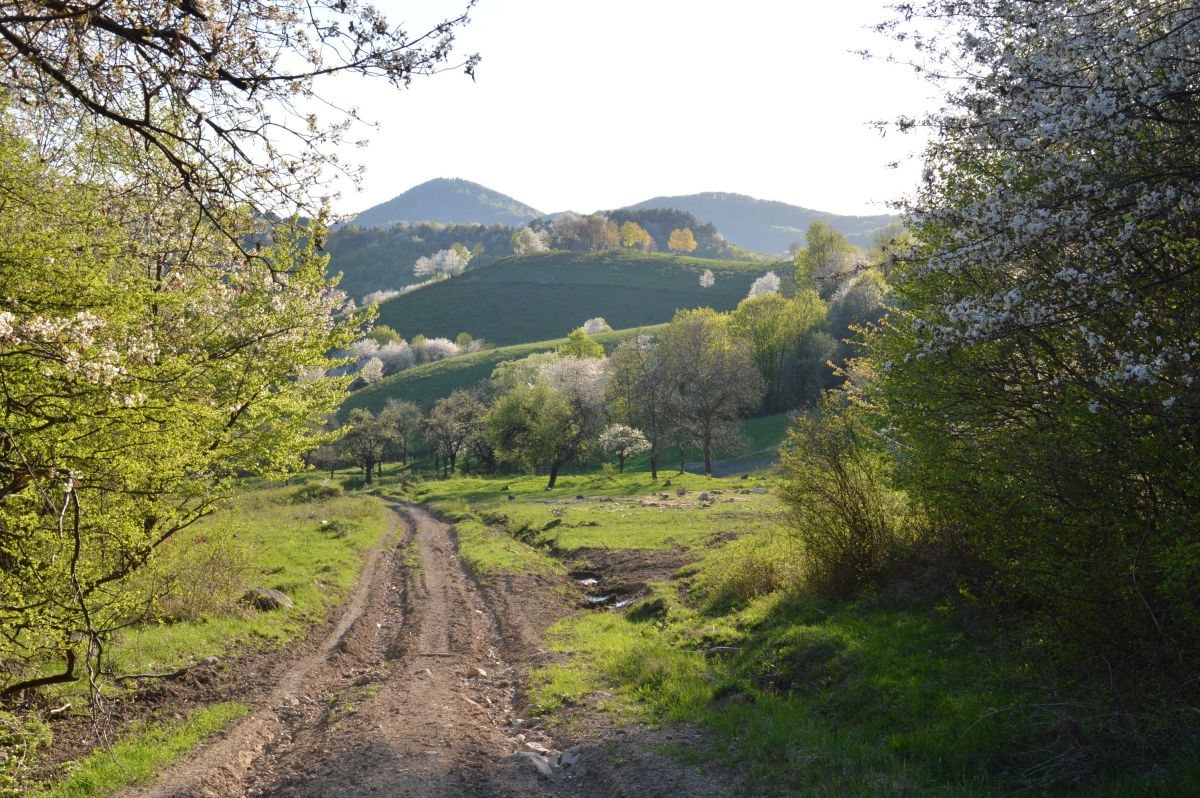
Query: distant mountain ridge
[[449, 201], [766, 225]]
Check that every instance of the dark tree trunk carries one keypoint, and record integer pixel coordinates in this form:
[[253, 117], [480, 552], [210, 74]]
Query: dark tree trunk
[[682, 460], [553, 475], [379, 467], [621, 460], [708, 455], [654, 466], [369, 471]]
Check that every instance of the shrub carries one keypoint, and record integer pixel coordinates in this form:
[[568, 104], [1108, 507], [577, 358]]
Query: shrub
[[317, 492], [198, 575], [853, 525]]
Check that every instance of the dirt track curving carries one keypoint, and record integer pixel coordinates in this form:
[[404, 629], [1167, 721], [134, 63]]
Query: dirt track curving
[[417, 692]]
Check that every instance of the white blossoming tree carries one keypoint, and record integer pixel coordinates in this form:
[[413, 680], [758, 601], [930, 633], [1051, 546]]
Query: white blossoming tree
[[1041, 368], [708, 279], [623, 441], [445, 262], [596, 325], [767, 284]]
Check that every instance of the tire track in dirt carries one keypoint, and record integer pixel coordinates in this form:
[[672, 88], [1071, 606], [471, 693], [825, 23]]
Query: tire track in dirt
[[408, 696]]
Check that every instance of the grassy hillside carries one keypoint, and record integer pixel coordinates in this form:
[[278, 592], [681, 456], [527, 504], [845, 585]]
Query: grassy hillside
[[538, 297], [430, 382]]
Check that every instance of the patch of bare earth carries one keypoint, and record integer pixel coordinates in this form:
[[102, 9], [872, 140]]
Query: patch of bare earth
[[419, 691]]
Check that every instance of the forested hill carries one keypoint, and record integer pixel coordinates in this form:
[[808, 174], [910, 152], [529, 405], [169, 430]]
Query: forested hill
[[450, 201], [766, 225], [544, 296]]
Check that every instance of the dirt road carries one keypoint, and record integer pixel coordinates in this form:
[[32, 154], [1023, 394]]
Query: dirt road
[[417, 692]]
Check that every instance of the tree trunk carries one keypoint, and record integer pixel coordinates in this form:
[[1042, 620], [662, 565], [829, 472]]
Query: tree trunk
[[553, 475], [654, 466], [621, 460], [682, 461], [369, 471], [379, 467], [708, 456]]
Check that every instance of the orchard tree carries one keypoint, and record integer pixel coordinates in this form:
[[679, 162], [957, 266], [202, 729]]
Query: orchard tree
[[453, 425], [405, 422], [527, 241], [634, 235], [596, 325], [682, 240], [776, 327], [827, 261], [623, 441], [767, 284], [443, 263], [711, 377], [580, 344], [364, 441], [638, 391], [708, 279], [1041, 367], [554, 421]]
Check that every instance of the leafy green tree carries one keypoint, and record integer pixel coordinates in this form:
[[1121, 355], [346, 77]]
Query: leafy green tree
[[580, 344], [145, 362], [554, 421], [638, 391], [775, 327], [453, 425], [405, 422], [364, 441], [711, 377], [826, 261]]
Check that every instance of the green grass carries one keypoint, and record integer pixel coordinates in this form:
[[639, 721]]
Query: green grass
[[313, 551], [427, 383], [911, 693], [290, 549], [141, 752], [545, 296]]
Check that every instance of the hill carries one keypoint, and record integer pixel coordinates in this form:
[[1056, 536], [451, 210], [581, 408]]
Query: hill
[[544, 296], [766, 225], [427, 383], [450, 201]]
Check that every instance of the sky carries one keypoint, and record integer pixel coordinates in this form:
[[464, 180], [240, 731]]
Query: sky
[[589, 106]]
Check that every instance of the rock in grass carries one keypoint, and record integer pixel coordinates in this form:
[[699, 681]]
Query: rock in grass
[[267, 599]]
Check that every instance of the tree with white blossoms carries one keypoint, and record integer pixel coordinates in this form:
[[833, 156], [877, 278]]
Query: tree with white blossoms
[[555, 420], [439, 349], [767, 284], [444, 262], [596, 325], [708, 279], [372, 371], [527, 241], [1040, 371], [623, 441]]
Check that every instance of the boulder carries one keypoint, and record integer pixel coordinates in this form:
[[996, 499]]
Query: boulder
[[570, 757], [536, 761], [267, 599]]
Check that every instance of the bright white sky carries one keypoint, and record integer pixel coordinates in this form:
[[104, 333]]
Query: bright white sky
[[588, 106]]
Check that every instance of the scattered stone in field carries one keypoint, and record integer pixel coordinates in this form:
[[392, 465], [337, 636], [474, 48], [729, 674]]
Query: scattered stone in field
[[681, 491], [667, 484], [537, 748], [579, 496], [716, 491], [267, 599], [475, 673], [511, 497], [703, 497], [208, 662], [424, 672], [570, 757], [537, 761], [759, 490]]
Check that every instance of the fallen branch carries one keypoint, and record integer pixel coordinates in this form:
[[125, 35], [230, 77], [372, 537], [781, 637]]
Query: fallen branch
[[708, 652], [171, 675]]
